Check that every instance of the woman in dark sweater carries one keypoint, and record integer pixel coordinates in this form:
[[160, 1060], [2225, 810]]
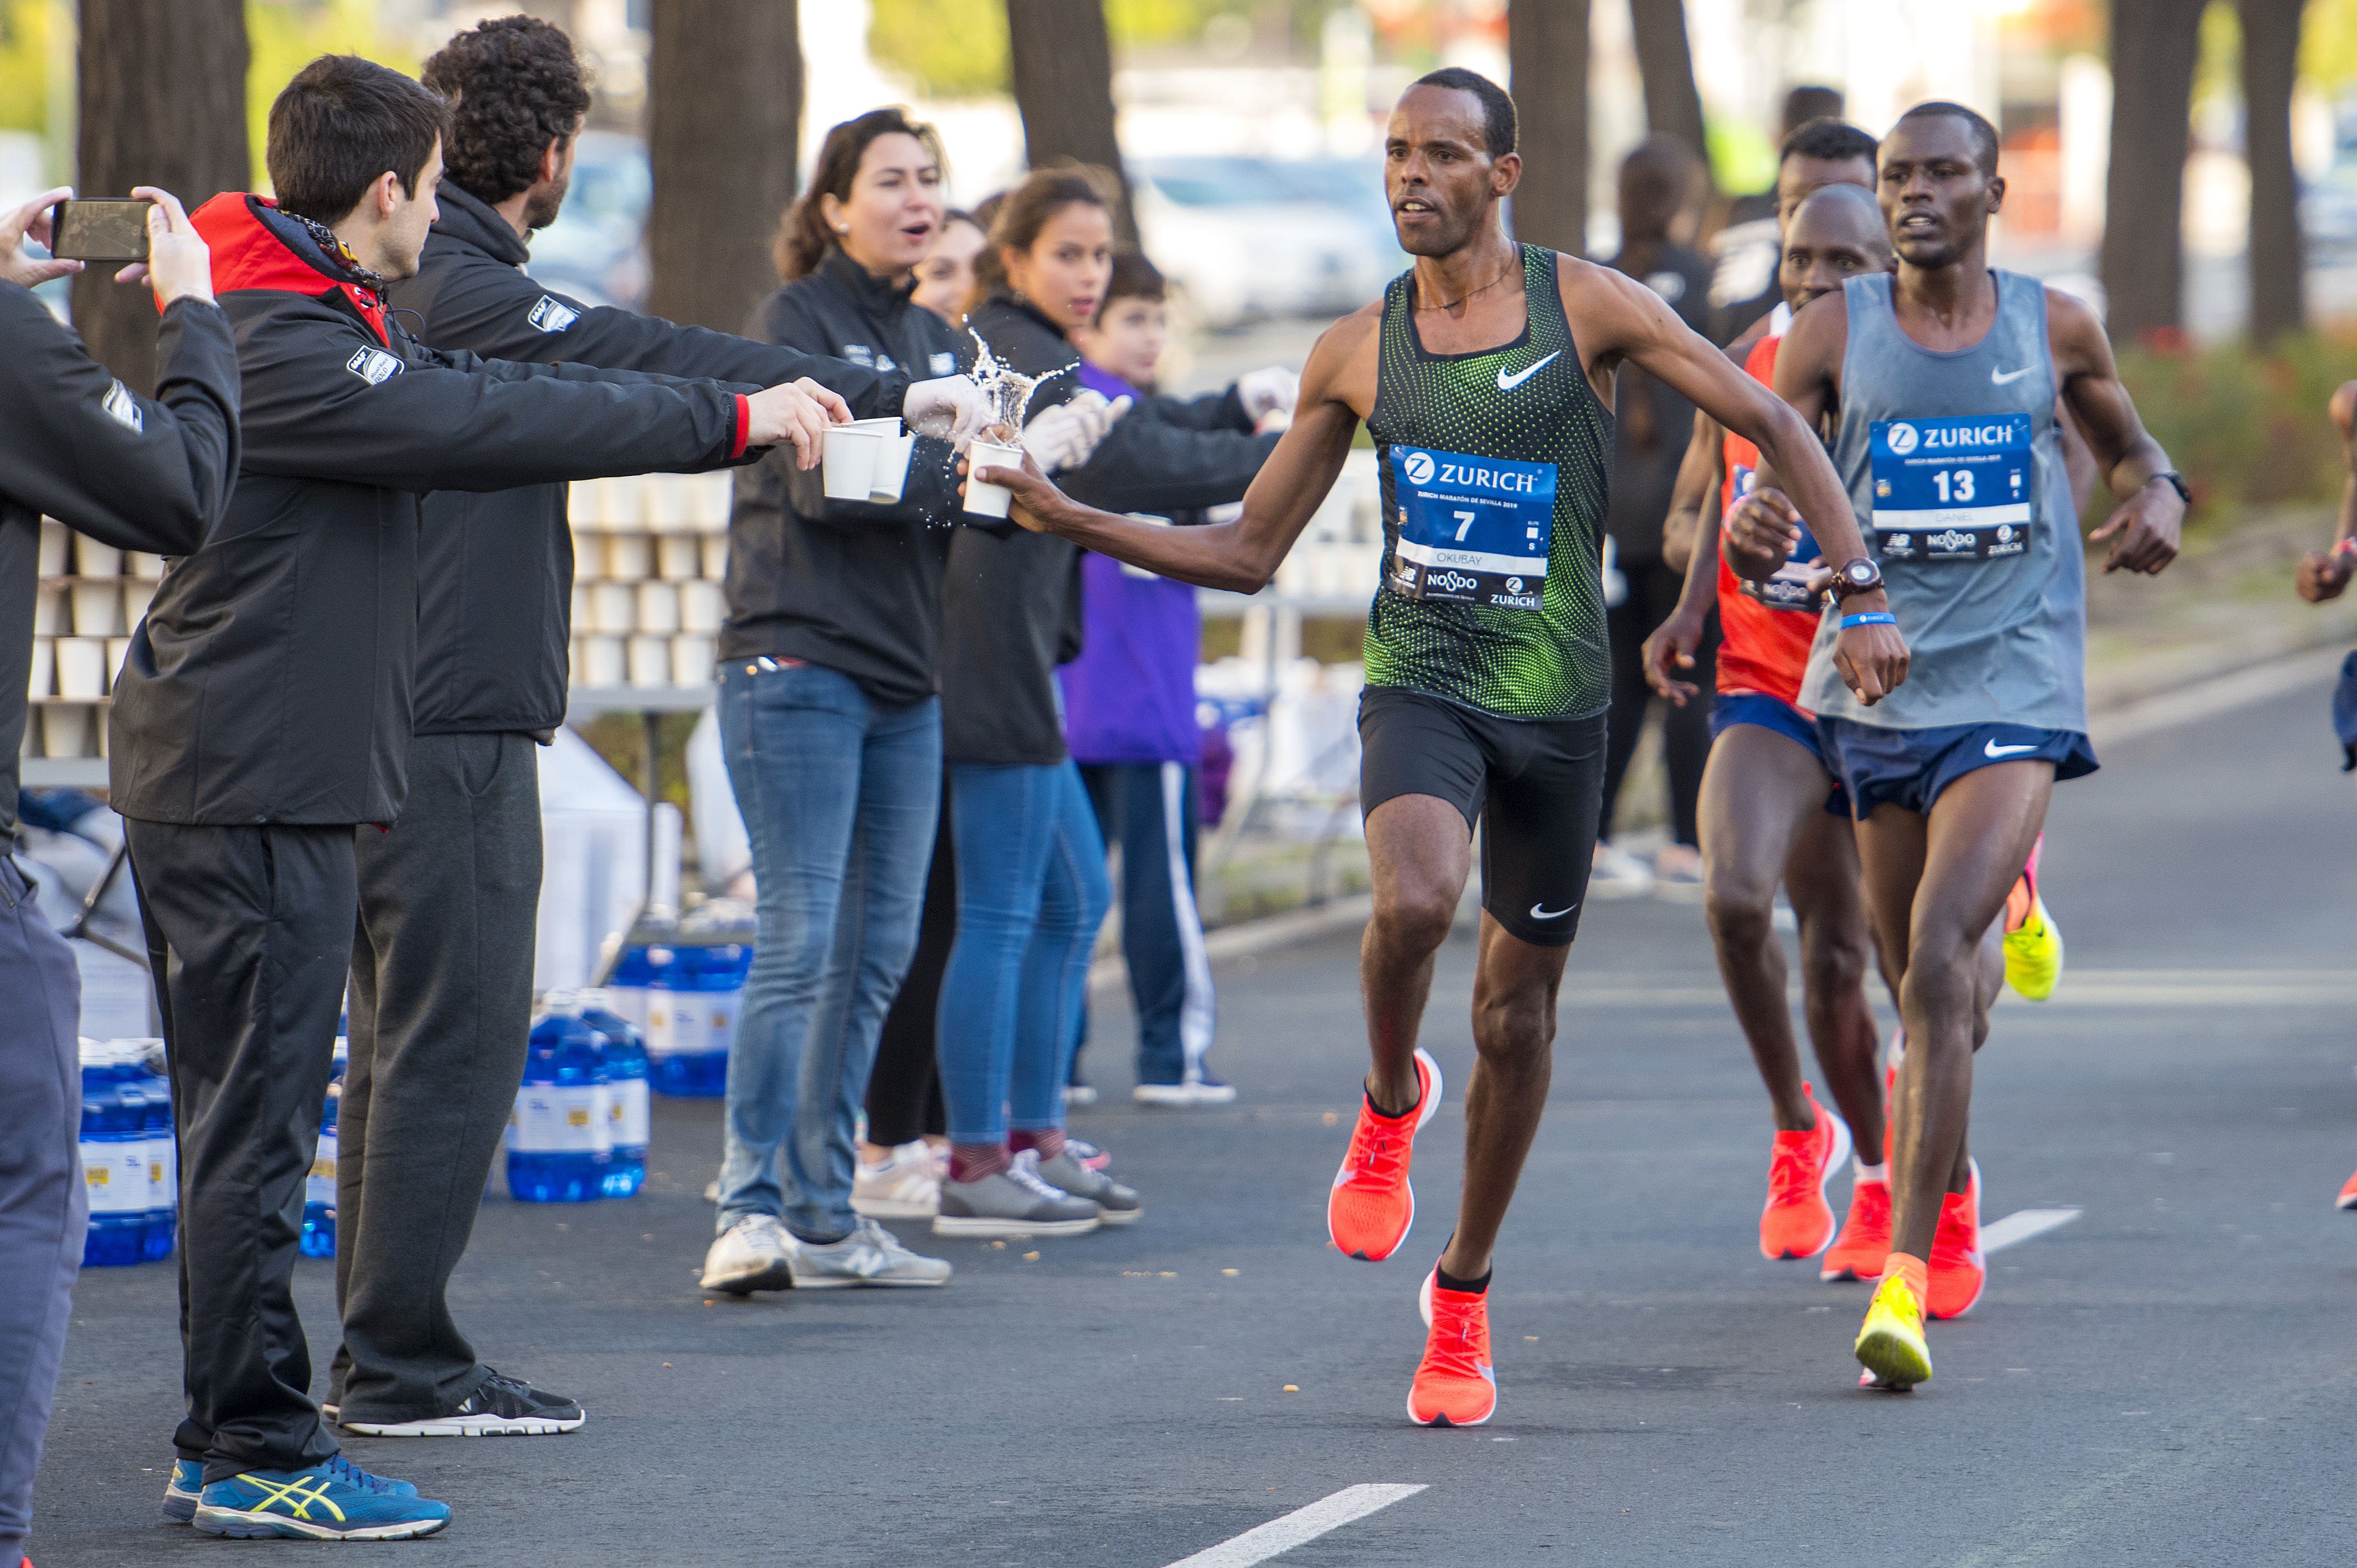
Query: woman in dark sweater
[[831, 722], [1030, 860]]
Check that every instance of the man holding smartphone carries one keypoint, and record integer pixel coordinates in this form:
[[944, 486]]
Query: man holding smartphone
[[141, 474]]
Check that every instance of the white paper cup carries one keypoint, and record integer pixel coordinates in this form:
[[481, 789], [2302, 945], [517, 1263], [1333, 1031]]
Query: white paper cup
[[50, 612], [613, 607], [137, 595], [118, 648], [848, 461], [716, 557], [580, 607], [629, 557], [92, 559], [670, 502], [142, 564], [65, 729], [650, 660], [98, 608], [602, 662], [989, 500], [702, 606], [56, 548], [891, 473], [81, 670], [44, 682], [692, 658], [658, 607], [710, 494], [679, 556]]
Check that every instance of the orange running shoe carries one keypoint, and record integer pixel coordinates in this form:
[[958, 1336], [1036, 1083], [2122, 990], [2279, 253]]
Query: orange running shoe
[[2347, 1199], [1455, 1385], [1797, 1221], [1959, 1271], [1371, 1206], [1865, 1240]]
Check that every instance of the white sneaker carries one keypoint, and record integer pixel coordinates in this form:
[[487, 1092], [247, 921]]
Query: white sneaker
[[906, 1185], [750, 1255], [1617, 874], [1201, 1087], [870, 1255]]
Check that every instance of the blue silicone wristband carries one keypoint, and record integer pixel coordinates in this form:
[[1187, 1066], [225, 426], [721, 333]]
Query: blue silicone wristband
[[1869, 617]]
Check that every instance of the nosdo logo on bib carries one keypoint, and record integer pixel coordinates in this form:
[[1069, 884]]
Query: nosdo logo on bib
[[1453, 581], [1903, 439], [1948, 539], [1419, 467]]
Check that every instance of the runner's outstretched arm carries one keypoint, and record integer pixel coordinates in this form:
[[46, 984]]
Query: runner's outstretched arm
[[1619, 317], [2324, 574], [1242, 555], [2144, 531]]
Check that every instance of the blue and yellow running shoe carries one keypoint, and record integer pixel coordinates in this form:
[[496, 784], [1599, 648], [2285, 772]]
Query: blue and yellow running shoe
[[331, 1501], [180, 1491], [1891, 1343], [2033, 946]]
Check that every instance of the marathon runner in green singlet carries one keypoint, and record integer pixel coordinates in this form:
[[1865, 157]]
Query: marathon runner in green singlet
[[1484, 375]]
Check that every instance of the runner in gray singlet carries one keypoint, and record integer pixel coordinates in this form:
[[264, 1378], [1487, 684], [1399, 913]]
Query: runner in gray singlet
[[1942, 382]]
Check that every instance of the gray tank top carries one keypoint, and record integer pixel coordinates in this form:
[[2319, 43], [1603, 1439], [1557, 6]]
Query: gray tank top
[[1954, 468]]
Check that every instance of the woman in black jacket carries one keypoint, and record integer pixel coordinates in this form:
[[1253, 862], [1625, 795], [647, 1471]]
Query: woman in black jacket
[[1030, 860], [831, 724]]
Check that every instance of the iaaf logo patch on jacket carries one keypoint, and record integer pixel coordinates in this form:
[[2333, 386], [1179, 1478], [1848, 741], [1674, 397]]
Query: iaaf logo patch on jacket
[[553, 314], [374, 365], [124, 409]]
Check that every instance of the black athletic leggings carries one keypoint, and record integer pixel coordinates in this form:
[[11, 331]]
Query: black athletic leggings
[[1653, 590], [904, 1087]]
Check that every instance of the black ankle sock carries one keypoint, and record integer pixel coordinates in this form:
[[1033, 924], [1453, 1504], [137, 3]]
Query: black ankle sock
[[1390, 1116], [1448, 1280]]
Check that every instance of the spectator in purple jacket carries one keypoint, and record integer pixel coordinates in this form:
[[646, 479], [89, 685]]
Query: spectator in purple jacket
[[1130, 705]]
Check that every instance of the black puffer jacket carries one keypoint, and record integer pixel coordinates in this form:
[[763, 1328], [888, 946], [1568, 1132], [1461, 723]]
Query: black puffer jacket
[[495, 568], [1012, 612], [854, 588]]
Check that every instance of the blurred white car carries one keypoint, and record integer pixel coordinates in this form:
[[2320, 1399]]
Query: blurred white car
[[595, 250], [1244, 242]]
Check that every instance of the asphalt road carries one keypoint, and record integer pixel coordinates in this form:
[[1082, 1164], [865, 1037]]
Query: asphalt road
[[2166, 1379]]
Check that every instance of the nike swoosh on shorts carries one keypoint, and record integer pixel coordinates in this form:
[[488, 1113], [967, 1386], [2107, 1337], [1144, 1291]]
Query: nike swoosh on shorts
[[1541, 912], [1507, 383], [1993, 750], [2006, 378]]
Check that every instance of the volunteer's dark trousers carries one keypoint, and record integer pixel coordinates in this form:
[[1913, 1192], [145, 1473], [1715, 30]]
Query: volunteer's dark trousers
[[249, 934], [1148, 808], [43, 1206], [1653, 590], [441, 1013]]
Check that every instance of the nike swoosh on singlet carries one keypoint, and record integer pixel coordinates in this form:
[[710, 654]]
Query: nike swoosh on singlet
[[2006, 378], [1541, 912], [1993, 750], [1507, 383]]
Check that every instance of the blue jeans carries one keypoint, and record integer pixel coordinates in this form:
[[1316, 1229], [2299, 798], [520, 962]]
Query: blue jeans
[[841, 798], [1031, 892]]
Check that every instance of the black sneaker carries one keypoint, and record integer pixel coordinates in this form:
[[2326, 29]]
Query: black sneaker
[[499, 1407]]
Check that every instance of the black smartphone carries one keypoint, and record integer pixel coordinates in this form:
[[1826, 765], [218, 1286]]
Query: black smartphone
[[99, 230]]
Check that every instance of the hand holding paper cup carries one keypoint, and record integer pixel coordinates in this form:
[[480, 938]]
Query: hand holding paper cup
[[983, 498]]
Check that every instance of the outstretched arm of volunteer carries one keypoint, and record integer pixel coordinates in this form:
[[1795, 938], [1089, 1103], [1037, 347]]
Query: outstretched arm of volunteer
[[2325, 573]]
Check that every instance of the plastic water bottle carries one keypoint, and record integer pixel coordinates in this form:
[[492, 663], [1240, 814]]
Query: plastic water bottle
[[562, 1147], [162, 1152], [114, 1158], [631, 988], [318, 1237], [625, 1076], [723, 985]]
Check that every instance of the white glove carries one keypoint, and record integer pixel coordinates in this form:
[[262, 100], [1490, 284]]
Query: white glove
[[1065, 436], [1262, 391], [949, 408]]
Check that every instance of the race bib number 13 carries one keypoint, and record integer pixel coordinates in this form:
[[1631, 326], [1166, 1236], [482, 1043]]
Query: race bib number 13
[[1472, 530], [1952, 489]]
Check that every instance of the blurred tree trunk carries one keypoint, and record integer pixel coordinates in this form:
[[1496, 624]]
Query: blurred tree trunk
[[1672, 103], [163, 103], [1063, 58], [723, 111], [1546, 48], [2154, 47], [2270, 67]]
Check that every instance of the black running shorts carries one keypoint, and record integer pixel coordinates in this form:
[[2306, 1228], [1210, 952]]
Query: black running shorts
[[1536, 789]]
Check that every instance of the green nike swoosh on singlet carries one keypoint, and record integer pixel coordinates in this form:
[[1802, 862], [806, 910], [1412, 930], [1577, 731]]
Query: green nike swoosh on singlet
[[1529, 402]]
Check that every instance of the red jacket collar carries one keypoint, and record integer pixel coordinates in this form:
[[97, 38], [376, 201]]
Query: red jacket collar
[[255, 247]]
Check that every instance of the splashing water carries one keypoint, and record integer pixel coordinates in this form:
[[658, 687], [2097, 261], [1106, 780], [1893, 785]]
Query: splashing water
[[1008, 389]]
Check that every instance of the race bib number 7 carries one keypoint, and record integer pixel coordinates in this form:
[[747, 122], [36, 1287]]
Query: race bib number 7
[[1952, 489], [1472, 530]]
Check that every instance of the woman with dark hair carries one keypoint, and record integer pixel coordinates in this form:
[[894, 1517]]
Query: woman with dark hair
[[945, 277], [830, 724], [1032, 885]]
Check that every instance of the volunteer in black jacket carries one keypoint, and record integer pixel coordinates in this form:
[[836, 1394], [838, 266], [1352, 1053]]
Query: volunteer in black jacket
[[141, 474], [832, 729], [264, 712], [1030, 859], [442, 973]]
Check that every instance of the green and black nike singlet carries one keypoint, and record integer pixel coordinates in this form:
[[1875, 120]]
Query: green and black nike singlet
[[1494, 466]]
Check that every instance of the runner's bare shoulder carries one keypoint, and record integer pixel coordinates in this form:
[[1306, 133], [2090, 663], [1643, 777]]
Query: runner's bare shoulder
[[1343, 363]]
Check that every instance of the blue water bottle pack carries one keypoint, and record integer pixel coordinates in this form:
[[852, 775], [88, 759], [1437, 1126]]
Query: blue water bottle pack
[[626, 1082], [163, 1154], [114, 1156], [561, 1135], [318, 1237]]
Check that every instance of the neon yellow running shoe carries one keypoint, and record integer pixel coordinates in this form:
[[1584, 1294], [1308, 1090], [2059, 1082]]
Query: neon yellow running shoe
[[2033, 945], [1891, 1343]]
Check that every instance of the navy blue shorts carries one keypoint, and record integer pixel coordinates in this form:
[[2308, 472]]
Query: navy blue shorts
[[2344, 714], [1730, 708], [1910, 768]]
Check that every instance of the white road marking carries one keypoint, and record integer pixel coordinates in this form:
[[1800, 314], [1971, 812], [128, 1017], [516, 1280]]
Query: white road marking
[[2021, 1225], [1306, 1524]]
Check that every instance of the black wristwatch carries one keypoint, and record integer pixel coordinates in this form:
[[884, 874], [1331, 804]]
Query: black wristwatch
[[2176, 482], [1858, 575]]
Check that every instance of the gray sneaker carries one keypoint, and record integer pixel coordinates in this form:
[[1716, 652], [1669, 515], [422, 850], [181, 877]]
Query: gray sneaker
[[1067, 1173], [870, 1255], [1014, 1202]]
